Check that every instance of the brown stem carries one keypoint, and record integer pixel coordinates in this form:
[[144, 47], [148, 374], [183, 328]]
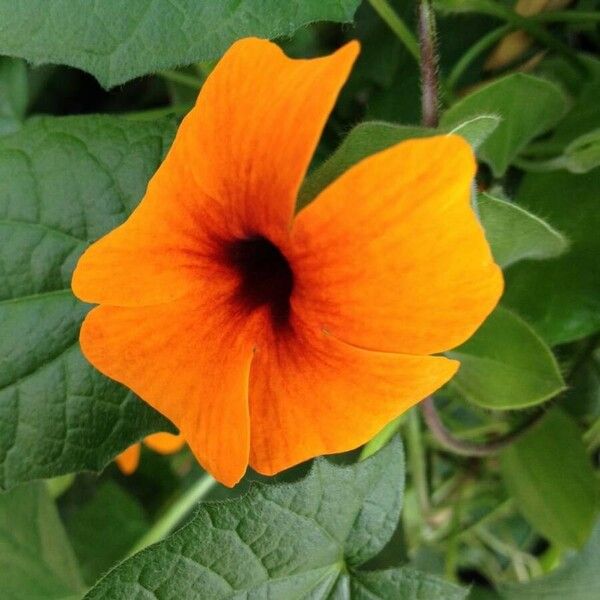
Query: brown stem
[[429, 64], [464, 448]]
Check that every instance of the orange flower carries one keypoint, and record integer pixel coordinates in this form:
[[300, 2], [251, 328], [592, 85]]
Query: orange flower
[[269, 339], [163, 443]]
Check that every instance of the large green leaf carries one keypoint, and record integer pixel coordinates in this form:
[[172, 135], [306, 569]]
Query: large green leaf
[[552, 480], [515, 234], [505, 365], [36, 561], [63, 183], [528, 106], [578, 579], [294, 541], [116, 41]]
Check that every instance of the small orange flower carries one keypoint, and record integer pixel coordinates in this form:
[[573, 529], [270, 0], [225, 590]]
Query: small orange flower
[[163, 443], [266, 338]]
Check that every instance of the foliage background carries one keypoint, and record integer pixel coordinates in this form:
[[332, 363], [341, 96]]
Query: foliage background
[[501, 492]]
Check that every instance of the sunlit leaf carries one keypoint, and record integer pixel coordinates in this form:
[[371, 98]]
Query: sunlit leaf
[[505, 365], [552, 480], [477, 129], [294, 541], [63, 183], [515, 234], [528, 107], [116, 41]]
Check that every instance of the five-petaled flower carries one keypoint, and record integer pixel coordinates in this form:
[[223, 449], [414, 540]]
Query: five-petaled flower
[[162, 442], [269, 338]]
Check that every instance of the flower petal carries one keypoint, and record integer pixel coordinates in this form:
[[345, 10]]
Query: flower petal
[[156, 255], [190, 360], [311, 394], [235, 167], [165, 443], [391, 256], [255, 127], [129, 459]]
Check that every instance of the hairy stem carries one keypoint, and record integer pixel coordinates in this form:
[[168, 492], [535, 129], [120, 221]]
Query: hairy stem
[[429, 64]]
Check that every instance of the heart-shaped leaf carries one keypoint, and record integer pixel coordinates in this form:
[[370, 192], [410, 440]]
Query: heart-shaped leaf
[[301, 540], [116, 41], [505, 365], [64, 182]]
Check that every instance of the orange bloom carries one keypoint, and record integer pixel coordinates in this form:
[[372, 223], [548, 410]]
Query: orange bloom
[[163, 443], [266, 338]]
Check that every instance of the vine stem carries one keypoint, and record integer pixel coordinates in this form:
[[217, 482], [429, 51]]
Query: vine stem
[[416, 459], [176, 512], [463, 447], [428, 64]]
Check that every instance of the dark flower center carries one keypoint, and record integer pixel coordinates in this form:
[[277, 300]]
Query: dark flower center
[[266, 279]]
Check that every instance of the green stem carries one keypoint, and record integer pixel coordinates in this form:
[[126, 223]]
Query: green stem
[[397, 25], [381, 439], [487, 41], [181, 78], [567, 16], [416, 460], [176, 512]]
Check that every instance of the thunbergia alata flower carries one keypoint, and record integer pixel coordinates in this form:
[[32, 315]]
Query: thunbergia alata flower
[[269, 338]]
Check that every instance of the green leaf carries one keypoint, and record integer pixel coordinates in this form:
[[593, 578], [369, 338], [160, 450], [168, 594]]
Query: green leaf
[[365, 139], [116, 41], [294, 541], [583, 153], [105, 529], [505, 365], [515, 234], [64, 182], [561, 297], [578, 579], [528, 106], [14, 94], [550, 476], [370, 137], [477, 129], [36, 560]]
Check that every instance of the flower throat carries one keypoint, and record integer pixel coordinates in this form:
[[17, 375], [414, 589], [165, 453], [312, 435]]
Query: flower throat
[[266, 278]]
